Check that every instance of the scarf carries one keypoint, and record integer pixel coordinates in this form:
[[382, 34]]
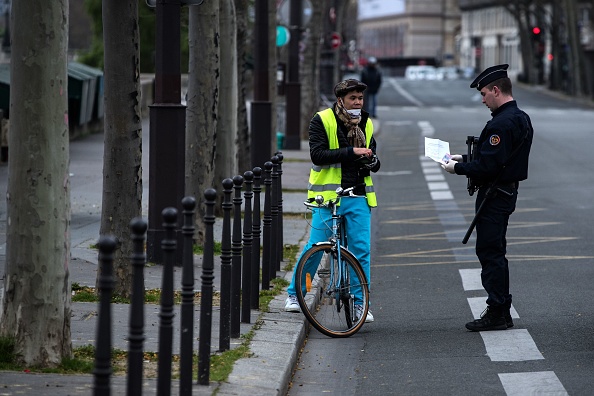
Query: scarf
[[355, 135]]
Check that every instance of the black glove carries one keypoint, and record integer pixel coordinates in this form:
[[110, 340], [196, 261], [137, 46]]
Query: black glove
[[370, 165]]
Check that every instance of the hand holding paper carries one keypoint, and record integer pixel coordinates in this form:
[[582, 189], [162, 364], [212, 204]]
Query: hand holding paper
[[437, 150], [450, 166]]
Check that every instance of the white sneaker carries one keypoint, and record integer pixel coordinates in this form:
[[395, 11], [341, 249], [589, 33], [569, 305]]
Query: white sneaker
[[292, 305], [369, 318]]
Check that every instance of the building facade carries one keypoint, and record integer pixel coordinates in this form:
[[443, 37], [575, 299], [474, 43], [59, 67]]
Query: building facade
[[409, 32]]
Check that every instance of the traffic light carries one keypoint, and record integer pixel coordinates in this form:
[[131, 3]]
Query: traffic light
[[536, 34]]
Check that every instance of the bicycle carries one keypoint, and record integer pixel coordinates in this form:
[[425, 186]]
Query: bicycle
[[333, 294]]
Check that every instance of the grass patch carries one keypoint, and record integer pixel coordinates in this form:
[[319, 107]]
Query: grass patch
[[221, 365], [151, 296], [197, 249]]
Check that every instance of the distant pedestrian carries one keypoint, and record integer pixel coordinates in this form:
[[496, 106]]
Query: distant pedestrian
[[499, 163], [372, 77], [339, 138]]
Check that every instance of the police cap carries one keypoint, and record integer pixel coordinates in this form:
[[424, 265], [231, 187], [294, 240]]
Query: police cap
[[489, 75], [346, 86]]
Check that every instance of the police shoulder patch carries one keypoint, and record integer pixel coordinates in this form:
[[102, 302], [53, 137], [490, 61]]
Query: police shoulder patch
[[494, 140]]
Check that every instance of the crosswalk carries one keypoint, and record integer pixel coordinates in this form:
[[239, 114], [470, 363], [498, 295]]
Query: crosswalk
[[511, 345]]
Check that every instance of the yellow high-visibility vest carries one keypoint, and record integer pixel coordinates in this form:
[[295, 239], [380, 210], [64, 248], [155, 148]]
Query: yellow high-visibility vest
[[325, 179]]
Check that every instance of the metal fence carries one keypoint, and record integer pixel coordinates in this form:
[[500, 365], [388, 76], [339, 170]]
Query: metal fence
[[240, 281]]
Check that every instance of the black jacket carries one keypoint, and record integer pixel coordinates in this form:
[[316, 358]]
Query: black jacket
[[321, 154], [500, 137], [372, 76]]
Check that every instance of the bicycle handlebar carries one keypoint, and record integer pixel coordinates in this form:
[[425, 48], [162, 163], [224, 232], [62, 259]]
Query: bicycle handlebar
[[340, 192]]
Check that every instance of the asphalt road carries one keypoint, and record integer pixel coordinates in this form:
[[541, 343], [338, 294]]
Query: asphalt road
[[425, 282]]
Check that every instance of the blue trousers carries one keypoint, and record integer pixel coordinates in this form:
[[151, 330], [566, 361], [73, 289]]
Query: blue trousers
[[370, 104], [357, 216]]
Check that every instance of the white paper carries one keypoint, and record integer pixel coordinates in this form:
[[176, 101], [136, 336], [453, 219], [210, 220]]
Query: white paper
[[437, 150]]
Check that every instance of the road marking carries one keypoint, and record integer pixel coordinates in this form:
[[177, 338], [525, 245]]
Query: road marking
[[537, 383], [406, 94], [393, 173], [510, 346], [471, 279]]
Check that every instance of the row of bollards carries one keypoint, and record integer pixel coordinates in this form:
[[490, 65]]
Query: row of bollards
[[243, 274]]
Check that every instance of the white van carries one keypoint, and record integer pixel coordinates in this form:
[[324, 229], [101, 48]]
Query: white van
[[420, 73]]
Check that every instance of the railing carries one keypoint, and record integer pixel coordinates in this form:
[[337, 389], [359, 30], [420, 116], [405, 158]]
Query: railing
[[241, 265]]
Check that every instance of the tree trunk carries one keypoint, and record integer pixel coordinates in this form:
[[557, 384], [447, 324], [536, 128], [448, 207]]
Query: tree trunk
[[226, 155], [578, 85], [276, 112], [122, 157], [310, 68], [244, 160], [36, 305], [202, 102]]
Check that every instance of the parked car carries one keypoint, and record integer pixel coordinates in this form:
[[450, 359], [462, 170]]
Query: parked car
[[466, 72], [447, 73], [416, 72]]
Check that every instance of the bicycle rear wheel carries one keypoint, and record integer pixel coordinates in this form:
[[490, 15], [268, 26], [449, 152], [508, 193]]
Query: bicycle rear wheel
[[334, 290]]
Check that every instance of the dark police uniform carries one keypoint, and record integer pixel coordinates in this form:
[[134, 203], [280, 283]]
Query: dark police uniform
[[503, 146]]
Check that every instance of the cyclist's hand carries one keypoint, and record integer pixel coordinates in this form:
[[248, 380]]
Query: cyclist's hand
[[457, 157]]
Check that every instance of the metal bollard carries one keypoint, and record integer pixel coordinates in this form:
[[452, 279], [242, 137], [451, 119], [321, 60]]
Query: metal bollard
[[281, 244], [266, 263], [187, 299], [102, 370], [274, 253], [224, 328], [136, 337], [255, 296], [207, 277], [236, 259], [168, 246], [246, 272]]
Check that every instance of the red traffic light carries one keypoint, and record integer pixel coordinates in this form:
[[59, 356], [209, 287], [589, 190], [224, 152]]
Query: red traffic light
[[536, 30]]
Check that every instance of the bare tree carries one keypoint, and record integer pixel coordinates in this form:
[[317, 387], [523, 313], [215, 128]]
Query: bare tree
[[203, 103], [122, 157], [36, 305], [272, 66], [244, 159], [577, 61], [310, 68], [226, 155]]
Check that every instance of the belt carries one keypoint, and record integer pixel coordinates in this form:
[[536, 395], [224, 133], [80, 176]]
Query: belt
[[509, 185]]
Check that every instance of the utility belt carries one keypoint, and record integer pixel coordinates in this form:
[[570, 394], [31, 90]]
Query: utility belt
[[475, 185]]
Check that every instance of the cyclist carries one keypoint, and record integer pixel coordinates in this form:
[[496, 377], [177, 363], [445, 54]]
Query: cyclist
[[343, 153]]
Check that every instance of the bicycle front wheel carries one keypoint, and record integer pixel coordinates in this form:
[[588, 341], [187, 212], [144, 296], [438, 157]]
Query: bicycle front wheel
[[333, 295]]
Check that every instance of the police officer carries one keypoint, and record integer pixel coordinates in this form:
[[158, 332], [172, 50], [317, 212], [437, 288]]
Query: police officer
[[339, 138], [498, 164]]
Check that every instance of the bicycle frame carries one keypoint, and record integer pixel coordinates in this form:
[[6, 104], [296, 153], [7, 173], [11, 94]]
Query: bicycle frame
[[340, 308]]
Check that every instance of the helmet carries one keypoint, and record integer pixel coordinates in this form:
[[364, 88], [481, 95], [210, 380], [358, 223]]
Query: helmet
[[372, 60], [346, 86]]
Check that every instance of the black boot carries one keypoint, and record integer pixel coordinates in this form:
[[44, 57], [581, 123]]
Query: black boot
[[508, 319], [491, 319]]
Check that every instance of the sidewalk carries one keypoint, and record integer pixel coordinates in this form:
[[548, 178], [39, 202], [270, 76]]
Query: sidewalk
[[278, 335]]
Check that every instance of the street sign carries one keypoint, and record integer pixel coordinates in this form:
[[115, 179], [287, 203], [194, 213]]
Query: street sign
[[335, 40], [283, 36]]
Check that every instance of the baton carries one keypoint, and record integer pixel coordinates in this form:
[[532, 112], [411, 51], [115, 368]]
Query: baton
[[476, 215]]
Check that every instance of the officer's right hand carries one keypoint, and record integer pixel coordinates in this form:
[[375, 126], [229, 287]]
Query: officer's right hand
[[457, 157]]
